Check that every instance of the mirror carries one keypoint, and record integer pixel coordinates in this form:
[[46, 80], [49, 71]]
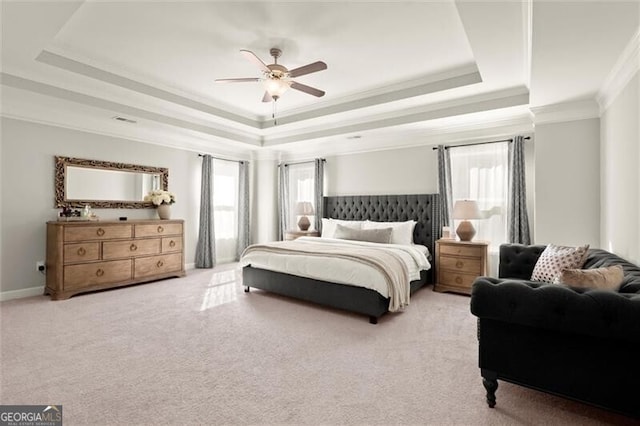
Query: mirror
[[103, 184]]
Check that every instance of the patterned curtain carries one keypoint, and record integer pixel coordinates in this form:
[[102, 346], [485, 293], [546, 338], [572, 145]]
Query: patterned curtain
[[517, 217], [319, 192], [206, 248], [243, 208], [283, 200], [444, 186]]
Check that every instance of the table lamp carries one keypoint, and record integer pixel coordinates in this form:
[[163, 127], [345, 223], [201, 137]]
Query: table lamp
[[304, 208], [465, 210]]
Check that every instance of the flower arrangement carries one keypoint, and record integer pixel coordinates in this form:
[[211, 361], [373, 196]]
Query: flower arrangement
[[160, 196]]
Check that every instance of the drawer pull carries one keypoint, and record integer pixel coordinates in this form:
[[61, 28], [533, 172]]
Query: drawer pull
[[458, 280], [160, 264], [133, 247], [99, 273], [100, 232], [172, 243], [160, 229], [459, 264], [81, 251]]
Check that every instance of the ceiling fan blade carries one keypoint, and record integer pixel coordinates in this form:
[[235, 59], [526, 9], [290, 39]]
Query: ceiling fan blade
[[307, 89], [253, 58], [267, 97], [308, 69], [236, 80]]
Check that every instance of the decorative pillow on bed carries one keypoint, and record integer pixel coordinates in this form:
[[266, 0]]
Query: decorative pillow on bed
[[329, 226], [555, 259], [402, 231], [382, 235], [607, 278]]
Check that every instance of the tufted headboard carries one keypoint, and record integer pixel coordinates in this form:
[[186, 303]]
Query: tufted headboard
[[423, 208]]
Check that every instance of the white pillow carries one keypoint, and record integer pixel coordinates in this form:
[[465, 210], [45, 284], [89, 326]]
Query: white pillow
[[329, 226], [402, 231], [555, 259]]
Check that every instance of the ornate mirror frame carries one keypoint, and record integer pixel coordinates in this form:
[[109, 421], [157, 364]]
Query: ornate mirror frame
[[61, 182]]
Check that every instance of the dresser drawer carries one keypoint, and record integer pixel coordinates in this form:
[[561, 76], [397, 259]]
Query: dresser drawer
[[171, 244], [81, 252], [154, 265], [79, 276], [97, 232], [461, 250], [472, 266], [129, 248], [158, 230], [454, 279]]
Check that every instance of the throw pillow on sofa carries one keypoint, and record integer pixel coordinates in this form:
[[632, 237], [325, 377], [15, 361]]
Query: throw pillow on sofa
[[555, 259], [607, 278]]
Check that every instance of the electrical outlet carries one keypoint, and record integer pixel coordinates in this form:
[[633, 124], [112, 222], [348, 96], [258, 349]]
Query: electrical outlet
[[40, 266]]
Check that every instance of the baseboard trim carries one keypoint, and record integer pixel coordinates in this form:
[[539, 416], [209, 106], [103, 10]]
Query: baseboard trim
[[23, 292]]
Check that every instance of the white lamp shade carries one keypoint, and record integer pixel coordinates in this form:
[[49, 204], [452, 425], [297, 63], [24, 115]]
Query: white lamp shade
[[304, 208], [466, 209], [276, 87]]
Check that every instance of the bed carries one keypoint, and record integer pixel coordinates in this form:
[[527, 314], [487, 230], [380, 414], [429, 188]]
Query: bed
[[422, 208]]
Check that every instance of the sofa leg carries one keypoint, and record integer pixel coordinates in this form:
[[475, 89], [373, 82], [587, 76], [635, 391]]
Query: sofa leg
[[490, 382]]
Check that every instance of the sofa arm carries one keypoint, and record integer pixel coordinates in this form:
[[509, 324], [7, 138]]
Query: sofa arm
[[558, 307], [518, 261]]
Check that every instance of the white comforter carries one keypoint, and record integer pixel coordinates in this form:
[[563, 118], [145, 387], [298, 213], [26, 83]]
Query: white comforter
[[340, 271]]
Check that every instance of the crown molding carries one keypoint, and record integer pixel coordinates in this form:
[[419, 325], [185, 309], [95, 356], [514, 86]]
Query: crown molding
[[566, 111], [479, 103], [519, 123], [80, 98], [84, 66], [625, 68]]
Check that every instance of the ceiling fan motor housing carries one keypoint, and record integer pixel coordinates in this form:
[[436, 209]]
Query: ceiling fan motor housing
[[277, 71]]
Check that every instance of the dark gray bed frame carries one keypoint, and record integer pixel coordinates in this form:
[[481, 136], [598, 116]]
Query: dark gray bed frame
[[423, 208]]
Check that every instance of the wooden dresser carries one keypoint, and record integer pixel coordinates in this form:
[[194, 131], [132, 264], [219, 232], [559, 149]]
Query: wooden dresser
[[458, 263], [86, 256]]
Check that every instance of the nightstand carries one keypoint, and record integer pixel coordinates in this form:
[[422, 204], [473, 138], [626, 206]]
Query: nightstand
[[458, 263], [292, 235]]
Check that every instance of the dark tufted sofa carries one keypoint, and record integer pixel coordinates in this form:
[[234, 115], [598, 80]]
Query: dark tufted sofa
[[578, 343]]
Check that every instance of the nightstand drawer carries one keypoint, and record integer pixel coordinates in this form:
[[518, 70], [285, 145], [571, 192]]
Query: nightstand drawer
[[457, 279], [459, 263], [462, 264], [461, 250]]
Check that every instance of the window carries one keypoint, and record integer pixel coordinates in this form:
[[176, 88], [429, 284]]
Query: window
[[479, 172], [301, 188], [225, 209]]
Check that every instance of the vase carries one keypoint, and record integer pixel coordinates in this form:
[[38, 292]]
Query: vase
[[164, 211]]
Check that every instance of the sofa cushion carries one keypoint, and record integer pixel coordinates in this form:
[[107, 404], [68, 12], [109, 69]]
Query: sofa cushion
[[606, 278], [598, 258], [555, 259]]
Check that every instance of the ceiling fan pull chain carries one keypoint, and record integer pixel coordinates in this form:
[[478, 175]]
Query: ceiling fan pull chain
[[273, 113]]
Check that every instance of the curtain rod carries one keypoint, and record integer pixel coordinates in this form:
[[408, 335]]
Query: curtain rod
[[300, 162], [223, 159], [479, 143]]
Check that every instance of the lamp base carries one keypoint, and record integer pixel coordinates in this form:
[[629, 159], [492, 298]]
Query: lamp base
[[304, 223], [465, 231]]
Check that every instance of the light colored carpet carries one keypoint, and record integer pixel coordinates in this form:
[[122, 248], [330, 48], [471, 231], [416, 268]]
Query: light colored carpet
[[198, 350]]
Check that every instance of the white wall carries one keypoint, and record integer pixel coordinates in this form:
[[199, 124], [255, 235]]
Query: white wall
[[567, 183], [620, 200], [27, 179], [264, 215], [401, 171]]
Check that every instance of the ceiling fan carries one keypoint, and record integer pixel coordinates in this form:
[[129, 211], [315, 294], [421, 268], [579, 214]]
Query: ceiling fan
[[277, 78]]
